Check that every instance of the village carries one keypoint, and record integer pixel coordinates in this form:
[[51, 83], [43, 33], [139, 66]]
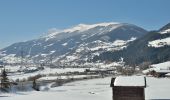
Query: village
[[126, 83]]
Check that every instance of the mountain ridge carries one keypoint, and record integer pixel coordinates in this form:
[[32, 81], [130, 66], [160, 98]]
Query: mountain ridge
[[152, 48], [70, 40]]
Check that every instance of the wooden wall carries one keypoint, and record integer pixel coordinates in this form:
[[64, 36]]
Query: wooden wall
[[128, 93]]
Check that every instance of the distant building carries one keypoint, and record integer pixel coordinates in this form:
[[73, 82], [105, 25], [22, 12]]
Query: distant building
[[167, 75], [128, 88], [162, 73], [158, 70]]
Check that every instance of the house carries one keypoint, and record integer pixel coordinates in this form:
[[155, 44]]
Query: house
[[158, 70], [162, 73], [128, 87], [167, 75]]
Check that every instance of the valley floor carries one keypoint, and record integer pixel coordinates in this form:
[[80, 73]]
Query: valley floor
[[95, 89]]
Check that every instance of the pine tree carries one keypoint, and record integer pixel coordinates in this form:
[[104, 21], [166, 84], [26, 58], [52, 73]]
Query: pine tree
[[5, 84], [35, 86]]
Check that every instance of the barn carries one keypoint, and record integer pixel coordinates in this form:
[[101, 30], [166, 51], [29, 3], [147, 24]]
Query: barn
[[128, 87]]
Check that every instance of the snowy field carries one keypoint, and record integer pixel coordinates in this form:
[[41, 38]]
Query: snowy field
[[46, 71], [95, 89], [158, 88]]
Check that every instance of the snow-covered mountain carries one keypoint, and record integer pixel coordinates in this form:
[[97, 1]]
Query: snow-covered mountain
[[76, 44], [164, 40], [151, 48]]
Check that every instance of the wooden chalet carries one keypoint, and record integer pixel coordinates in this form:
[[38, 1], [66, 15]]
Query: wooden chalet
[[128, 88]]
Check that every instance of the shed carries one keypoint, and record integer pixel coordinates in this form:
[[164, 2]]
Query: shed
[[128, 87]]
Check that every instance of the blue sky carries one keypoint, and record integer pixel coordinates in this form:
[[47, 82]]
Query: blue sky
[[22, 20]]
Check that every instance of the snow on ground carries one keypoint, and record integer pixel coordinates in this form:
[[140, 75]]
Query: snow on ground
[[48, 45], [157, 88], [159, 43], [122, 42], [51, 52], [12, 68], [95, 89], [110, 46], [45, 72], [65, 77], [104, 65], [71, 58], [87, 51], [165, 31], [65, 44], [10, 58]]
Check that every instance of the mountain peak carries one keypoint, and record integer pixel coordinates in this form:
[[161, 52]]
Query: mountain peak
[[165, 29], [81, 28], [84, 27]]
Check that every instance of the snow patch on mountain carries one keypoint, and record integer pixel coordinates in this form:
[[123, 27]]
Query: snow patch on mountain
[[84, 27], [65, 44], [10, 58], [86, 51], [48, 45], [159, 43], [165, 31], [81, 28], [51, 52]]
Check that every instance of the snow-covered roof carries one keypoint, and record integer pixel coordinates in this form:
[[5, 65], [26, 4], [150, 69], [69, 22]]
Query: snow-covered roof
[[167, 74], [136, 81], [161, 67], [164, 65], [162, 71]]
